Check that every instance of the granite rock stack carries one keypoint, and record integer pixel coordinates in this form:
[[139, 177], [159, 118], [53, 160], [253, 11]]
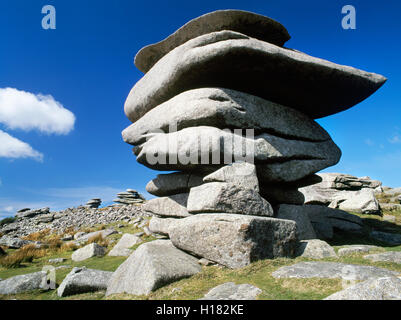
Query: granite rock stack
[[231, 110]]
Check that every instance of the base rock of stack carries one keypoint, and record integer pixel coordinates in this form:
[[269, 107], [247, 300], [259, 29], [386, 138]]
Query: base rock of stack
[[234, 240], [229, 59]]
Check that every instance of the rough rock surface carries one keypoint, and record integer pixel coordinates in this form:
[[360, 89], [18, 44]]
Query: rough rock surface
[[305, 229], [389, 256], [353, 249], [325, 219], [277, 159], [13, 243], [331, 270], [173, 183], [315, 249], [31, 213], [89, 251], [234, 240], [232, 291], [386, 288], [171, 206], [161, 225], [83, 280], [390, 238], [277, 194], [227, 59], [224, 108], [227, 198], [242, 174], [22, 283], [344, 192], [122, 248], [249, 23], [151, 266]]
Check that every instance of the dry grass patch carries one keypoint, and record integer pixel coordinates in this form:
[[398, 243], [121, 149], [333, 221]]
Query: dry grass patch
[[38, 236], [25, 254], [99, 240]]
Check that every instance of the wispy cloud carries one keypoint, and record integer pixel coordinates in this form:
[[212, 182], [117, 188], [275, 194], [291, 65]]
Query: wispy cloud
[[13, 148], [28, 111], [395, 139]]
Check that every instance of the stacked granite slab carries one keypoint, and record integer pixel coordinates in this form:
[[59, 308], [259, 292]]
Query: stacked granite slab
[[226, 78], [129, 197]]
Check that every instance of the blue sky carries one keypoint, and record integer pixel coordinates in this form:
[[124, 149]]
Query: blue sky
[[86, 65]]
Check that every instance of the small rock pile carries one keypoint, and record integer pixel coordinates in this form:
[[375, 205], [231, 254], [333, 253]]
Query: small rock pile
[[220, 75], [94, 203], [129, 197]]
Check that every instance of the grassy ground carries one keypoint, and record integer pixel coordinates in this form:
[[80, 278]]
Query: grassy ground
[[258, 273]]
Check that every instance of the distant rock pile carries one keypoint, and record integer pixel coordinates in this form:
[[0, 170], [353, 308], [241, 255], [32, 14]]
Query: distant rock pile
[[220, 75], [94, 203], [129, 197]]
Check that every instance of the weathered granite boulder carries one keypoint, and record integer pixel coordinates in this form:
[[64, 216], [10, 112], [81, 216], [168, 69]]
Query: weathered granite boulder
[[122, 248], [224, 108], [57, 260], [315, 249], [248, 23], [83, 280], [23, 283], [171, 206], [89, 251], [277, 159], [386, 288], [389, 256], [151, 266], [242, 174], [331, 270], [228, 198], [234, 240], [173, 183], [228, 59], [13, 243], [232, 291], [161, 225], [305, 229]]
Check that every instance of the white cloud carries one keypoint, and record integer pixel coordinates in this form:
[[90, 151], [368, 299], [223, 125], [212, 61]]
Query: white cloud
[[11, 147], [27, 111]]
